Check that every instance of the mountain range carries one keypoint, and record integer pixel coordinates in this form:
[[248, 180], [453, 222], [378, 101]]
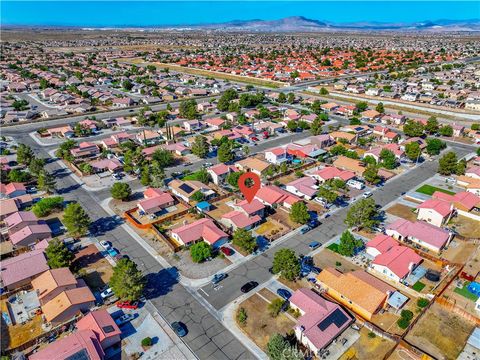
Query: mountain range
[[303, 24]]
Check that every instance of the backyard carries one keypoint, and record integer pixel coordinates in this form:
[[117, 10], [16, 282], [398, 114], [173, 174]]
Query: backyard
[[368, 346], [440, 333]]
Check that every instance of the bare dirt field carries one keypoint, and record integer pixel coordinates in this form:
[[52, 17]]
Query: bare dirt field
[[402, 211], [368, 347]]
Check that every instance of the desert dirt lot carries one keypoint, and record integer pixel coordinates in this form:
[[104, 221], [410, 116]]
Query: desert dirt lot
[[440, 333], [466, 227], [402, 211], [367, 347], [260, 324]]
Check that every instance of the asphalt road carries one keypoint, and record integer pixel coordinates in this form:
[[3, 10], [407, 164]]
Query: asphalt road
[[207, 337], [257, 268]]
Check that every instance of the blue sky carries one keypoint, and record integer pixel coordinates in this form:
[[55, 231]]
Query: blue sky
[[149, 13]]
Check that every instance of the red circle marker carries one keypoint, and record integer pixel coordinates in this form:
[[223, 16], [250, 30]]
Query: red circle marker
[[249, 192]]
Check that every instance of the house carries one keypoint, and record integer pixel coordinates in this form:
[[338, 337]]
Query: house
[[343, 136], [113, 165], [250, 209], [19, 220], [392, 260], [20, 270], [155, 201], [419, 232], [347, 110], [68, 304], [148, 137], [473, 172], [82, 344], [271, 195], [117, 139], [435, 212], [254, 165], [215, 123], [30, 234], [356, 290], [192, 125], [52, 282], [186, 189], [276, 155], [203, 229], [85, 150], [463, 202], [10, 206], [237, 219], [353, 165], [62, 131], [103, 325], [12, 190], [220, 172], [370, 115], [321, 321], [177, 148], [470, 184], [331, 172], [304, 187], [322, 140], [122, 102]]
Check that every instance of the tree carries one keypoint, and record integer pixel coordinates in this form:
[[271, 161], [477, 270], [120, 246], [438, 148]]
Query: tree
[[461, 167], [286, 263], [244, 239], [76, 220], [422, 302], [145, 178], [275, 307], [24, 154], [225, 152], [292, 125], [203, 176], [361, 106], [369, 160], [355, 121], [198, 196], [232, 178], [120, 191], [46, 182], [413, 128], [327, 194], [348, 244], [371, 175], [276, 347], [447, 164], [434, 146], [432, 125], [446, 130], [146, 342], [36, 166], [362, 214], [163, 158], [291, 98], [58, 255], [389, 161], [46, 206], [380, 108], [282, 98], [127, 282], [316, 127], [200, 147], [412, 150], [200, 251], [127, 85], [299, 213], [16, 175], [323, 91], [188, 109]]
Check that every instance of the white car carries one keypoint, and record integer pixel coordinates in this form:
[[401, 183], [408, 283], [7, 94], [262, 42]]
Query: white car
[[367, 194], [105, 244], [124, 319], [106, 293]]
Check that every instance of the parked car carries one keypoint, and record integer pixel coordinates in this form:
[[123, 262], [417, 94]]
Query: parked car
[[106, 293], [367, 194], [125, 318], [116, 177], [105, 244], [313, 245], [305, 229], [179, 329], [112, 252], [284, 294], [218, 277], [313, 223], [127, 304], [249, 286], [226, 250]]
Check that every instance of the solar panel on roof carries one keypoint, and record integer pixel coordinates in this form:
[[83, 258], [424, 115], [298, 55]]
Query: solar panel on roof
[[337, 317], [108, 329], [186, 188], [79, 355]]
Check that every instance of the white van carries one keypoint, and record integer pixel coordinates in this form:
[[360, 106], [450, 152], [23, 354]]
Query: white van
[[355, 184]]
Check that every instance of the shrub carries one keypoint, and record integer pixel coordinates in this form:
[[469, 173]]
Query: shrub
[[403, 323], [147, 341], [371, 335], [422, 302], [242, 316], [275, 306], [47, 205], [406, 314]]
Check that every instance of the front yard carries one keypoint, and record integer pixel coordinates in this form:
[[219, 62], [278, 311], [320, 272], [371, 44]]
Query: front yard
[[260, 325], [402, 211], [330, 259], [94, 268], [429, 190]]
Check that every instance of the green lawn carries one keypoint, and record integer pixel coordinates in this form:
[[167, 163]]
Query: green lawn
[[192, 176], [333, 247], [418, 286], [429, 190], [465, 293]]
